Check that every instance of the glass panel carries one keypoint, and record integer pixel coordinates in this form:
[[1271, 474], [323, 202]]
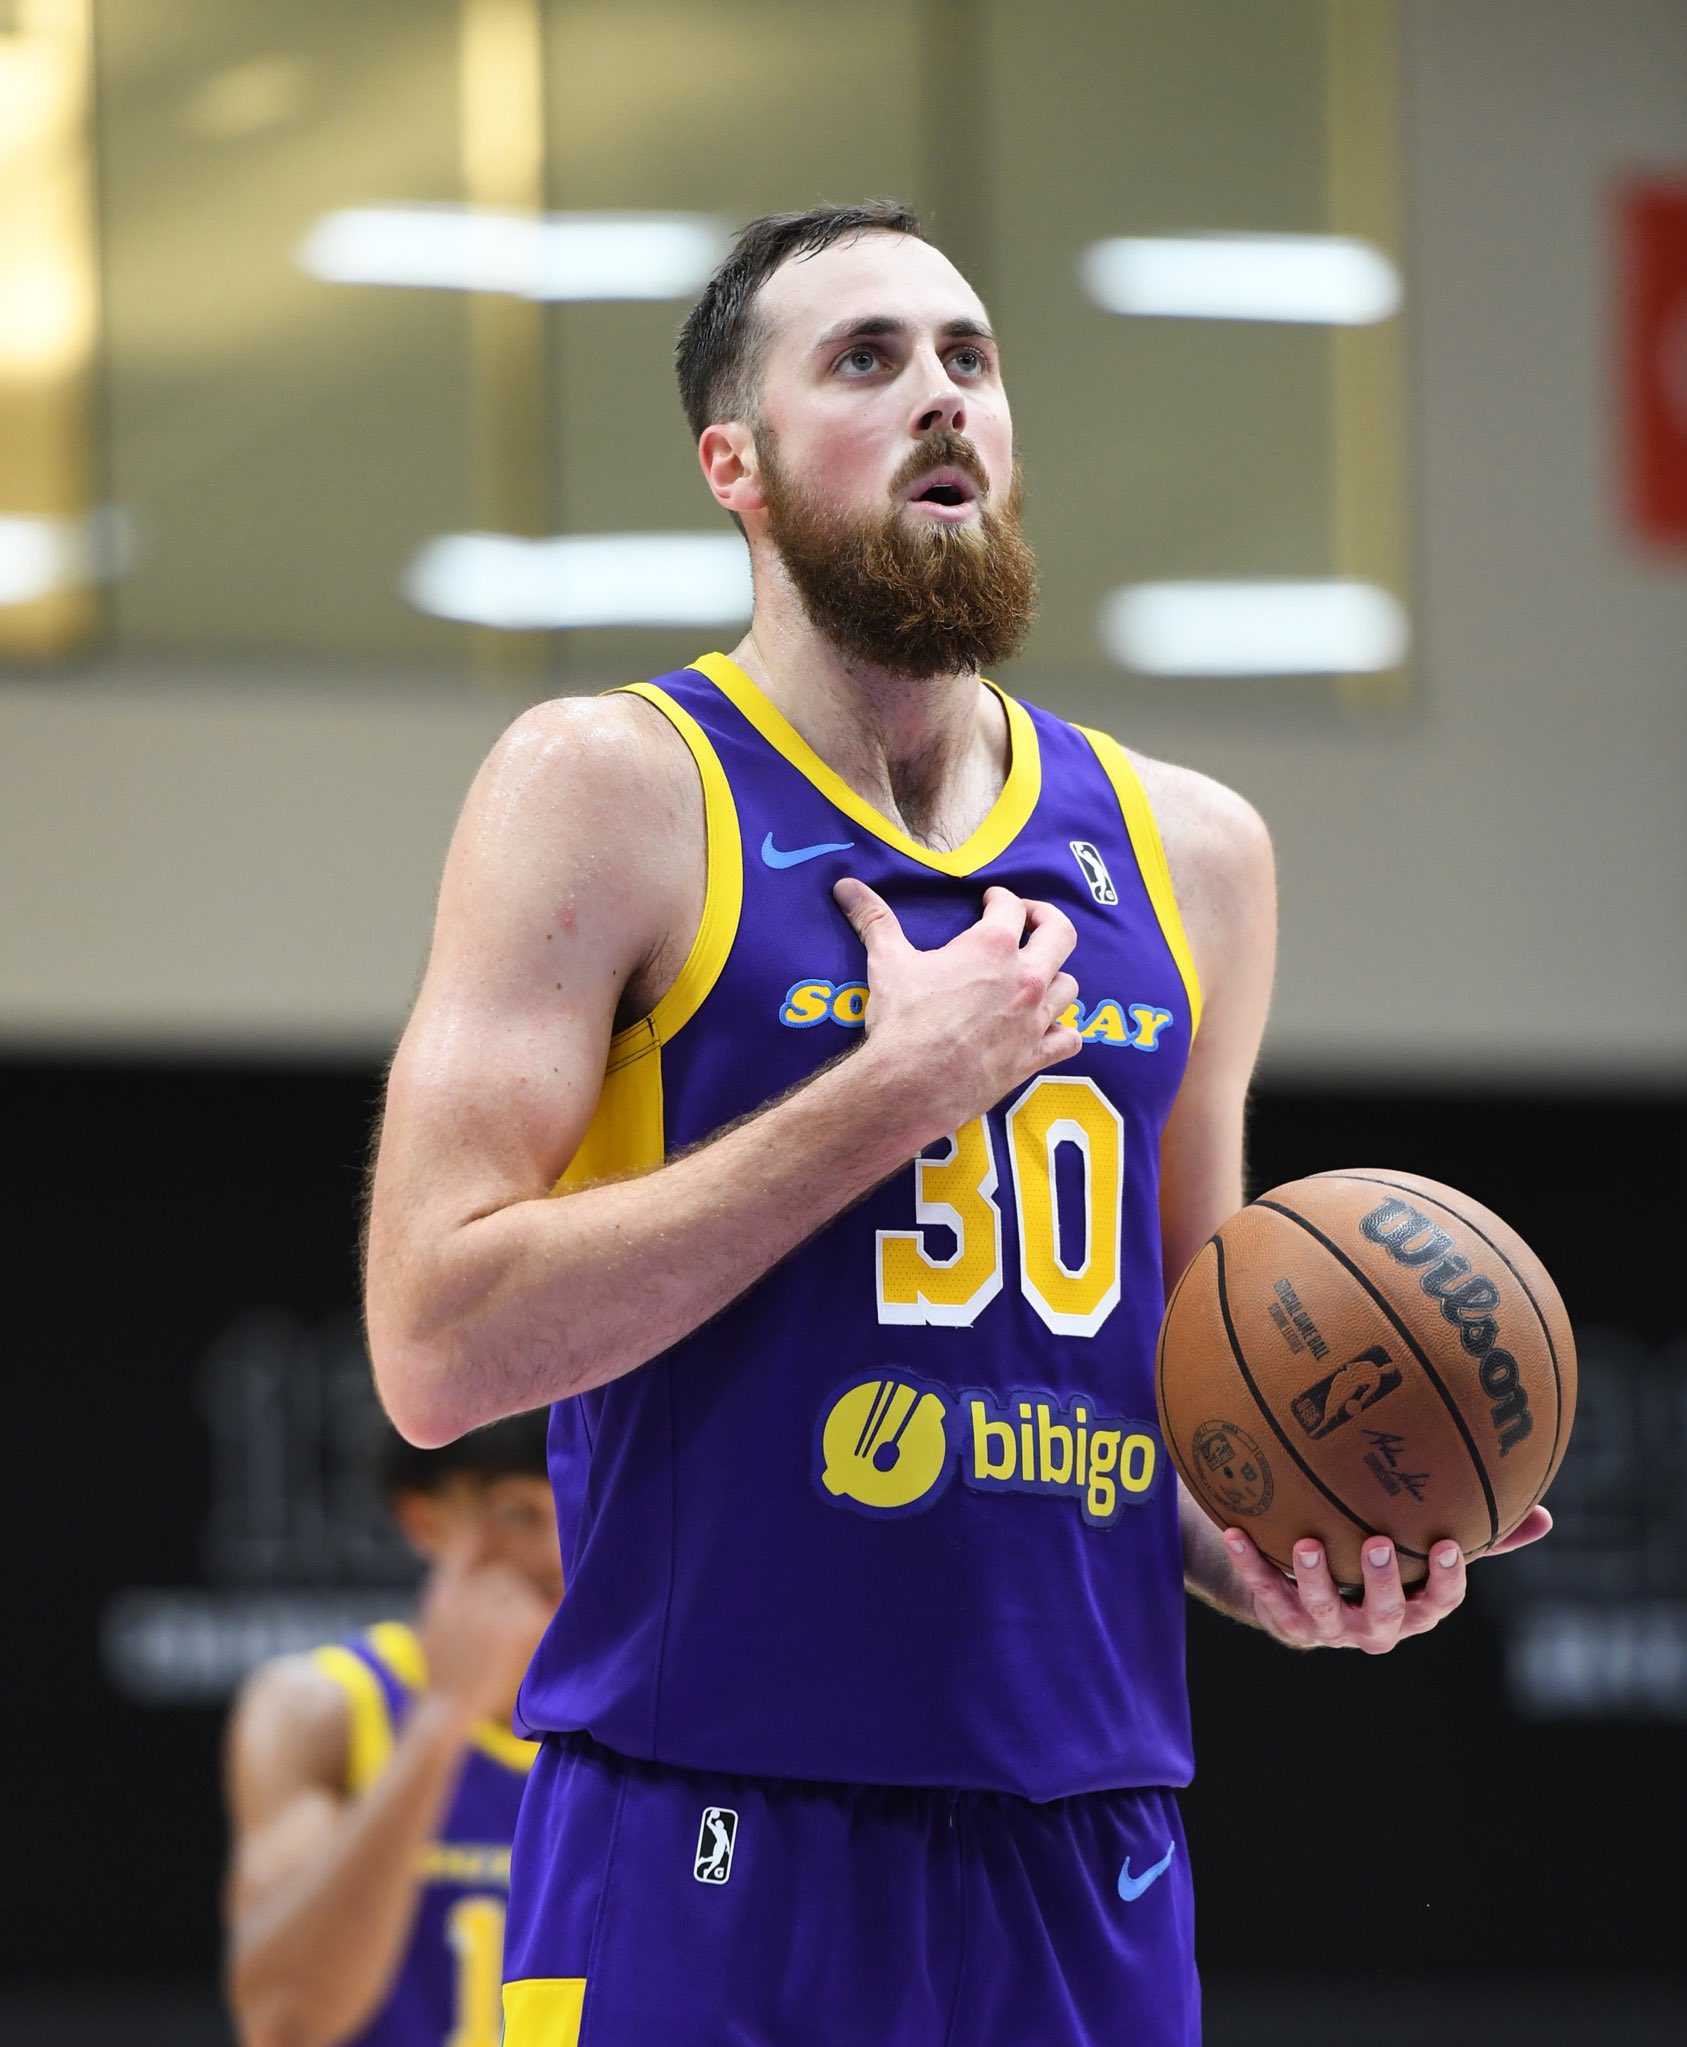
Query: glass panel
[[278, 443], [1157, 448], [737, 108], [284, 447], [52, 549]]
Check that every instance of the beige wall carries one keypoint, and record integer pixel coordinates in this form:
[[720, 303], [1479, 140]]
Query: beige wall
[[1492, 880]]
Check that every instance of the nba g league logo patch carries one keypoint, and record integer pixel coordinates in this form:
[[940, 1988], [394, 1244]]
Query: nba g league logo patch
[[1094, 870], [712, 1864]]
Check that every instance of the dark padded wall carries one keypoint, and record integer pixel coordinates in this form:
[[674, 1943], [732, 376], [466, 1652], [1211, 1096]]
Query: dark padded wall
[[187, 1394]]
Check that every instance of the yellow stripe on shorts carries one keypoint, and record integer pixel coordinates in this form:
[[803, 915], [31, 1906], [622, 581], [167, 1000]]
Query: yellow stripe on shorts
[[544, 2011]]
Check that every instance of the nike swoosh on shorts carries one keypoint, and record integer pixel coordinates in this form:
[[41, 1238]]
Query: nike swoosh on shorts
[[1132, 1887]]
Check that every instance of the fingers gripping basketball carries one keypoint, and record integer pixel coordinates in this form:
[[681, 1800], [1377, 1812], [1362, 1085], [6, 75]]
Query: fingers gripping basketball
[[1367, 1352]]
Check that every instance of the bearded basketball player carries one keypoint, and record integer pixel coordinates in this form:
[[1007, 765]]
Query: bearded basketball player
[[884, 1043]]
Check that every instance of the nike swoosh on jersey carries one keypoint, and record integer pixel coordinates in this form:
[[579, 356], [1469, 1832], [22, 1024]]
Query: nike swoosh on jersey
[[1132, 1887], [798, 854]]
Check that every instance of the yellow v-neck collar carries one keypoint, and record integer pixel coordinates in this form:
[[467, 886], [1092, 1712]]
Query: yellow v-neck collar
[[1002, 824]]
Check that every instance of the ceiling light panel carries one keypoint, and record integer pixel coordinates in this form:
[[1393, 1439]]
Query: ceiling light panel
[[552, 257], [1327, 280], [1312, 627], [581, 580]]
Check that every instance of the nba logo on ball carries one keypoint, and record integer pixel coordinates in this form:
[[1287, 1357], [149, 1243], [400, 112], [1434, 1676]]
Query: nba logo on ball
[[713, 1862]]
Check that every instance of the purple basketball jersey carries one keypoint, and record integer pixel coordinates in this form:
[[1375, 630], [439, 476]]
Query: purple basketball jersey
[[901, 1514]]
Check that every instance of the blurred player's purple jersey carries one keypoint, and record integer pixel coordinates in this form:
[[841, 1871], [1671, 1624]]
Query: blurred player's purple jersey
[[901, 1514], [447, 1986]]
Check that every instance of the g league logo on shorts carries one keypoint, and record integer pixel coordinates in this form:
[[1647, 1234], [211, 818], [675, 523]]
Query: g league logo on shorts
[[712, 1863]]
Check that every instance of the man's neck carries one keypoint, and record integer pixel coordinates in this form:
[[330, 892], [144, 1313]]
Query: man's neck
[[930, 755]]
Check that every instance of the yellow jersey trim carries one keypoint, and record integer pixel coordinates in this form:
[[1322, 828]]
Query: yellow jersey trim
[[369, 1735], [544, 2011], [399, 1647], [723, 891], [1007, 815], [1150, 853], [625, 1134]]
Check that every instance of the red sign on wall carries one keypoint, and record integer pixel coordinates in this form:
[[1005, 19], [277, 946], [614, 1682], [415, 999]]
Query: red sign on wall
[[1654, 257]]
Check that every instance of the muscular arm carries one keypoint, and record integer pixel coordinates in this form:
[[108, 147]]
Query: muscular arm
[[571, 889], [1221, 867], [1223, 875], [323, 1888]]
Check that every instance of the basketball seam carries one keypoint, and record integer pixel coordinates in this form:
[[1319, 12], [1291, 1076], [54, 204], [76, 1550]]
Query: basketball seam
[[1160, 1348], [1476, 1230], [1358, 1520], [1413, 1345]]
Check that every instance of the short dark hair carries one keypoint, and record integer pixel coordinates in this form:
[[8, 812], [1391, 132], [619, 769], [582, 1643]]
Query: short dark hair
[[512, 1448], [719, 352]]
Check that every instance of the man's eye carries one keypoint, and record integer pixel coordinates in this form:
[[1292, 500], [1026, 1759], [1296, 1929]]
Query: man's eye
[[862, 358], [969, 361]]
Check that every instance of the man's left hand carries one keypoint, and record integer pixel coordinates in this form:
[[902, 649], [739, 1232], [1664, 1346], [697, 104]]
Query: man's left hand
[[1308, 1611]]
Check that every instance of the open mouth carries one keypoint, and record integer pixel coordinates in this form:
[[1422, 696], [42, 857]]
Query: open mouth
[[947, 488]]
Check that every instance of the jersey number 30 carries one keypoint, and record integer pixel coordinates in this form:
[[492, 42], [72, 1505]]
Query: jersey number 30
[[958, 1193]]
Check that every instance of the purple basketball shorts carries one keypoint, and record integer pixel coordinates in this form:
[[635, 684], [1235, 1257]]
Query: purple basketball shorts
[[652, 1907]]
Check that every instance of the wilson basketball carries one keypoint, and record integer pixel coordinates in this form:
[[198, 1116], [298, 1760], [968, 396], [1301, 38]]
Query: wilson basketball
[[1362, 1353]]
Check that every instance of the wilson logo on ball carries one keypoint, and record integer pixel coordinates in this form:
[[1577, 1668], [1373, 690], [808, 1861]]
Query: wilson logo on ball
[[1467, 1300]]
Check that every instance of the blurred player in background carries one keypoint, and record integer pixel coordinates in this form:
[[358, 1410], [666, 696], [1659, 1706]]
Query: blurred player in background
[[373, 1785], [866, 1710]]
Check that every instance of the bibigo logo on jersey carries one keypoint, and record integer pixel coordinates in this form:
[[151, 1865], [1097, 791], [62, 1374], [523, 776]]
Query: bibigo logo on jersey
[[891, 1445]]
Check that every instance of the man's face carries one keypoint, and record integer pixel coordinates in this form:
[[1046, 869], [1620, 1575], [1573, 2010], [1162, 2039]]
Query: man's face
[[512, 1520], [885, 454], [875, 345]]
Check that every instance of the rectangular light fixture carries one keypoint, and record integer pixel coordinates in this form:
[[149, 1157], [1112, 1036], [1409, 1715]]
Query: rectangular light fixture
[[40, 557], [589, 579], [1312, 627], [1328, 280], [550, 256]]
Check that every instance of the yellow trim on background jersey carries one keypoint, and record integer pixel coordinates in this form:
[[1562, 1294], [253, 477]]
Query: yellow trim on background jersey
[[399, 1647], [1150, 853], [504, 1746], [1007, 815], [369, 1737], [544, 2011], [625, 1134]]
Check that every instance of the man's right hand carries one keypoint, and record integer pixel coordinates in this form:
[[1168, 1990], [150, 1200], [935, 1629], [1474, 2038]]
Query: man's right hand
[[480, 1623], [971, 1019]]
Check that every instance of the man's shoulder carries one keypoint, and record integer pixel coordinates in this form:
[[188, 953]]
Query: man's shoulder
[[1218, 853], [293, 1706], [604, 785], [1200, 818], [615, 742]]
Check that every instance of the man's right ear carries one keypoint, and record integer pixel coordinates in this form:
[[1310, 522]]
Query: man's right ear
[[731, 466]]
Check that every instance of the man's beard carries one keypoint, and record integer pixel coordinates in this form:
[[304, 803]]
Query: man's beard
[[898, 592]]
